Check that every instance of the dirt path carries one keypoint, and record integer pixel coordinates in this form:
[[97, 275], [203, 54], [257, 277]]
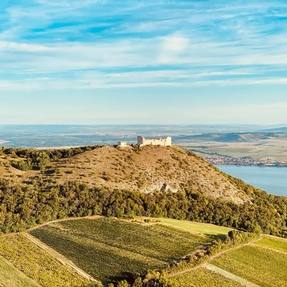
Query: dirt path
[[229, 275], [62, 259]]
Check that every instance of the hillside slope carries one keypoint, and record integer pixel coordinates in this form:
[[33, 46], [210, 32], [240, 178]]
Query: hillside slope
[[147, 169]]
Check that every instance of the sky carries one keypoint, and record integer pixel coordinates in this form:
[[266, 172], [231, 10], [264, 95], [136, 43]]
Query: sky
[[143, 61]]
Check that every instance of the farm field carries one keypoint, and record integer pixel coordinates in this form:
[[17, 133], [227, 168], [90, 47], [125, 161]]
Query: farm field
[[194, 227], [34, 263], [263, 262], [109, 248], [258, 265], [202, 278], [10, 276], [273, 243]]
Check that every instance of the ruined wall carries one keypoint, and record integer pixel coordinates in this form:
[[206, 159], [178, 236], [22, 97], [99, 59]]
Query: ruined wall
[[160, 142]]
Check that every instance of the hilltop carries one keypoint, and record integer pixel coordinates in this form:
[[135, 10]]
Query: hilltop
[[41, 185], [147, 169]]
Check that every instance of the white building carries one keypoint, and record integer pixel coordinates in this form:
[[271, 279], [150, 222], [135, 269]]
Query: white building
[[158, 142], [123, 144]]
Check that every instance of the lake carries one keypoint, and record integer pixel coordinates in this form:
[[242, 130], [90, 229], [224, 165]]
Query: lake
[[271, 179]]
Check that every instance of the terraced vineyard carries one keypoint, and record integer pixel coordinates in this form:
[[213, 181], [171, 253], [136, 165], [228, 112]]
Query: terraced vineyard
[[110, 248], [202, 278], [262, 263], [261, 266], [63, 253], [19, 252], [10, 276]]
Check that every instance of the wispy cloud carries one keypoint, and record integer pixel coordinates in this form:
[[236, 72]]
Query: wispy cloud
[[101, 43]]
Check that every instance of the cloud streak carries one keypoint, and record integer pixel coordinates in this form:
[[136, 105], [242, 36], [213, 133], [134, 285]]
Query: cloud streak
[[97, 43]]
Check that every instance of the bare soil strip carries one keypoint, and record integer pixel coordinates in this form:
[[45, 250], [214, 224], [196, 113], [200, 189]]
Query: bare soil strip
[[229, 275], [62, 259]]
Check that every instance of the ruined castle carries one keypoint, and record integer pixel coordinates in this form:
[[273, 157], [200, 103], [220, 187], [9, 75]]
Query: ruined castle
[[142, 141], [159, 142]]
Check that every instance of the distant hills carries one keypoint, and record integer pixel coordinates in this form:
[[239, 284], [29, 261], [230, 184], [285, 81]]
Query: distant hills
[[81, 135]]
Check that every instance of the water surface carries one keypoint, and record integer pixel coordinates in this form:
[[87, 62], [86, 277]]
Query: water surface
[[271, 179]]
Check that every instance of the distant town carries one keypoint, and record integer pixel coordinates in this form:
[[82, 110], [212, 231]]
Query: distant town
[[218, 159]]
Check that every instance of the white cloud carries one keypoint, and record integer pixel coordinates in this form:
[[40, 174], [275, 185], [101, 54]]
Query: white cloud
[[205, 39], [175, 44]]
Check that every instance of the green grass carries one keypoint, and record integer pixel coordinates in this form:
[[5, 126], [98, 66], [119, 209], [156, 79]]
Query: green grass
[[202, 278], [258, 265], [37, 264], [273, 243], [10, 276], [195, 227], [108, 248]]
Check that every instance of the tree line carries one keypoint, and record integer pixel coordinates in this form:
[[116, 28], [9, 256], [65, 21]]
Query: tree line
[[23, 206]]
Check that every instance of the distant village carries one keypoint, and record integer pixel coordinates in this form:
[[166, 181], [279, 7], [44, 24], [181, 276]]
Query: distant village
[[242, 161]]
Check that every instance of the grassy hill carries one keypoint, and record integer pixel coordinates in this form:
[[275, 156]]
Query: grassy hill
[[37, 186], [147, 170]]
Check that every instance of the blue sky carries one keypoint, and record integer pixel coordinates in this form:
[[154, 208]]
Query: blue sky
[[129, 61]]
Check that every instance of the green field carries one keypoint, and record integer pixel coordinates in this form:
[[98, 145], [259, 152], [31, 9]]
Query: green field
[[194, 227], [109, 248], [202, 278], [10, 276], [273, 243], [261, 266], [34, 263], [263, 262]]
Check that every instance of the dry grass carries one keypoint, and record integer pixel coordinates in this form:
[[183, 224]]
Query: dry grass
[[147, 170]]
